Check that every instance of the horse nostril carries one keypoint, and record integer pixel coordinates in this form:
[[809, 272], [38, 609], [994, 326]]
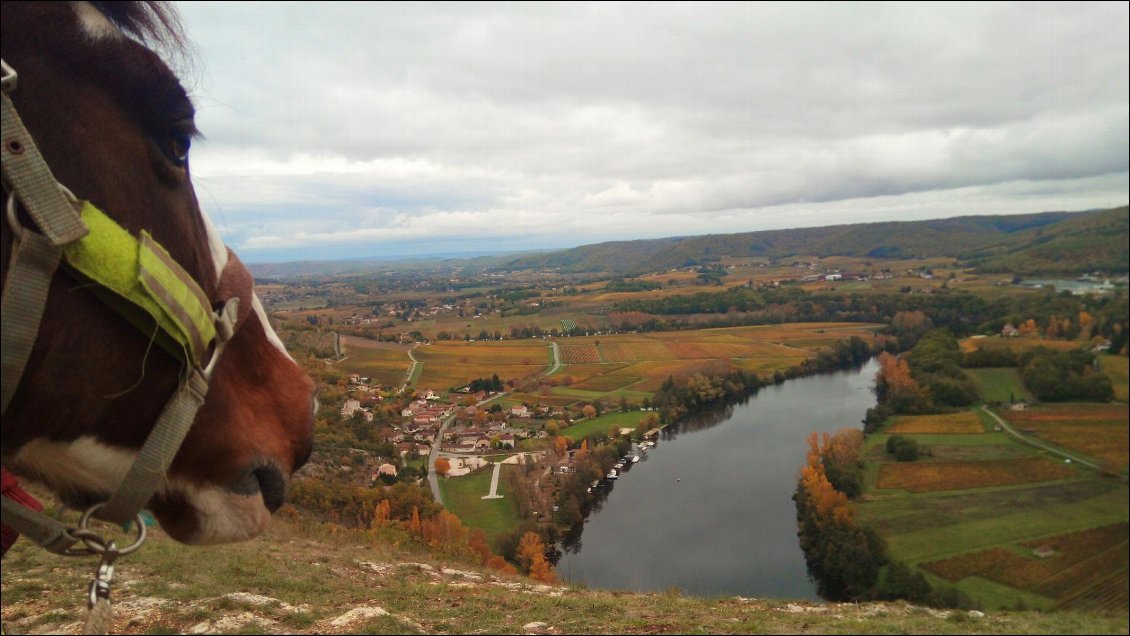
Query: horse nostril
[[272, 485]]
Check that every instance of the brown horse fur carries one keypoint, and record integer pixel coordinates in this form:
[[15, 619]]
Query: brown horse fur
[[104, 109]]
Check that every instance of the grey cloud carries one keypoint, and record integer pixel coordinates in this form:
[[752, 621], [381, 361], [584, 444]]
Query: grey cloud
[[677, 110]]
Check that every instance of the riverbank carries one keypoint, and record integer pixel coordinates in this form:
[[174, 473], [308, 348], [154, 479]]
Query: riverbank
[[717, 479]]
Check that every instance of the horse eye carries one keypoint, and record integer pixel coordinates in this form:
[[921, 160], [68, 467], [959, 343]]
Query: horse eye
[[176, 148]]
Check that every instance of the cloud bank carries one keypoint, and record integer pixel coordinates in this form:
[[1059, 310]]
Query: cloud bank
[[344, 130]]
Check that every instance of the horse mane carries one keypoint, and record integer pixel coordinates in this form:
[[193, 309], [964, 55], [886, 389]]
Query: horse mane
[[152, 22]]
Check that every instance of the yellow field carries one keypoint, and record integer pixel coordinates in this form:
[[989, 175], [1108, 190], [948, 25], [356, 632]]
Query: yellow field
[[641, 362], [612, 364], [452, 364], [385, 362], [1098, 430], [1020, 343], [936, 476], [951, 423], [1117, 368]]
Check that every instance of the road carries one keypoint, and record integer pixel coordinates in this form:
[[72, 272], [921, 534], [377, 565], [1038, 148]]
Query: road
[[411, 369], [433, 479], [556, 358], [1037, 443]]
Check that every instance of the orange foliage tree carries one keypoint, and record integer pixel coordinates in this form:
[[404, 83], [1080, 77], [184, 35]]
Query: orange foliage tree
[[443, 465], [531, 556], [842, 558]]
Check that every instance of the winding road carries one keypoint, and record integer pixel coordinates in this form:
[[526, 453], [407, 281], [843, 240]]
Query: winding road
[[1037, 443]]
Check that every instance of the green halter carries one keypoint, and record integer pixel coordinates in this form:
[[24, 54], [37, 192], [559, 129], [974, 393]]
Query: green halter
[[141, 272], [135, 276]]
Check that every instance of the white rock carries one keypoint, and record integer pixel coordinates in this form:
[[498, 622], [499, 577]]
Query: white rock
[[229, 624], [357, 614]]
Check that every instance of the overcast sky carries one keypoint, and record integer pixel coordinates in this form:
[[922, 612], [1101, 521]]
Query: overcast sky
[[353, 129]]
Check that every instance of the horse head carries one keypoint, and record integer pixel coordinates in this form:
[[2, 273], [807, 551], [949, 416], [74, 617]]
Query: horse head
[[114, 125]]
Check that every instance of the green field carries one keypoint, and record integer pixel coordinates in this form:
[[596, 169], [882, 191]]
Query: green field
[[1000, 384], [976, 523], [1117, 368], [463, 496], [603, 424]]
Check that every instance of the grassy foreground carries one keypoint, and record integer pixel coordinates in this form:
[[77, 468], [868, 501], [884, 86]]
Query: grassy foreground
[[310, 578]]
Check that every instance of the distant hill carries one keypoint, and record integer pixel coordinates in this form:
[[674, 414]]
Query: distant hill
[[1026, 244], [1044, 243], [1078, 243]]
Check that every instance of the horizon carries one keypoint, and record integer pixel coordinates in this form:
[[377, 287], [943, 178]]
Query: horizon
[[424, 256]]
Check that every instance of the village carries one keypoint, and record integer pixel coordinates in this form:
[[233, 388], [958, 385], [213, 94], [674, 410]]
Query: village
[[430, 423]]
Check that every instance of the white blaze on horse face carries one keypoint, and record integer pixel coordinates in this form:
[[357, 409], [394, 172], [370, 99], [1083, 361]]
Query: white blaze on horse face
[[270, 331], [220, 261], [94, 24], [215, 246]]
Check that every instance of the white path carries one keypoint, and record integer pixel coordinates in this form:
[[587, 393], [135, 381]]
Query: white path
[[494, 483]]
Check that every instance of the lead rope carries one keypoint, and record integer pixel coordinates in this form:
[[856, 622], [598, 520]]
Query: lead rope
[[99, 612]]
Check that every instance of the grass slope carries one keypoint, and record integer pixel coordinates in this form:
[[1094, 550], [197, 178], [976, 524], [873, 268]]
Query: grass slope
[[304, 578]]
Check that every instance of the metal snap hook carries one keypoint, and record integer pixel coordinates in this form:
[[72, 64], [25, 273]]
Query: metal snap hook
[[95, 544]]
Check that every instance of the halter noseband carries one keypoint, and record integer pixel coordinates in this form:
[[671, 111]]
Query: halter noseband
[[137, 277]]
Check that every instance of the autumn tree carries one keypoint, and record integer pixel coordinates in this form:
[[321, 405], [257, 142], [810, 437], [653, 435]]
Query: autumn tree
[[381, 514], [895, 386], [843, 558], [1086, 322], [443, 465], [531, 557], [589, 411], [414, 525], [583, 452]]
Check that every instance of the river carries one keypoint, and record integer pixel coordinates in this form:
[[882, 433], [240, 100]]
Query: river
[[709, 510]]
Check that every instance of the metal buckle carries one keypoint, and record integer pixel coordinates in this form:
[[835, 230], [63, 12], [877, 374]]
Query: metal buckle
[[95, 544], [8, 80]]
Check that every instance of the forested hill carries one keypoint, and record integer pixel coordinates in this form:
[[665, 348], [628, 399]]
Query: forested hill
[[1045, 243]]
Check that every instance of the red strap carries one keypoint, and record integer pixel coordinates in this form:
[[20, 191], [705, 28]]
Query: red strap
[[10, 488]]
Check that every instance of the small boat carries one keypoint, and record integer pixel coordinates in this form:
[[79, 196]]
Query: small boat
[[612, 474], [635, 458], [619, 465]]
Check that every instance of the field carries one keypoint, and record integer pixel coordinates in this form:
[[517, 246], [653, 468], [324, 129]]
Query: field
[[921, 477], [463, 496], [1021, 343], [1001, 384], [970, 511], [1077, 572], [448, 365], [386, 363], [1117, 368], [634, 365], [603, 424], [1099, 430], [952, 423]]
